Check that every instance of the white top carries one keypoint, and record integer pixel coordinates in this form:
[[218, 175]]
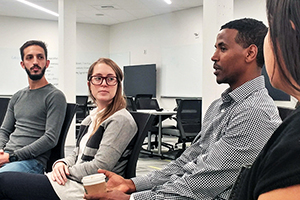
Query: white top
[[86, 137]]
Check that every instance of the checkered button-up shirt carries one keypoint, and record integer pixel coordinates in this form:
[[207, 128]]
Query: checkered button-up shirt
[[234, 130]]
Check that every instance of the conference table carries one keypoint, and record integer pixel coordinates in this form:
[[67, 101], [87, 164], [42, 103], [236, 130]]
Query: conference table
[[160, 114]]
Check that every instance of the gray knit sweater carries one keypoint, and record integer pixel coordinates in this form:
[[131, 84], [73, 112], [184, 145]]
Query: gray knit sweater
[[33, 122]]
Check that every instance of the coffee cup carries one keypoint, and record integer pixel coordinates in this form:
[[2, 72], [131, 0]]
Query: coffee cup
[[94, 183]]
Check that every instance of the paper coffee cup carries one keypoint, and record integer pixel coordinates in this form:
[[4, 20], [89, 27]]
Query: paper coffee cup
[[94, 184]]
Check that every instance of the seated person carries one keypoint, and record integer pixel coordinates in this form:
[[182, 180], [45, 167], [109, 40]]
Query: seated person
[[235, 127], [34, 116], [275, 174], [103, 143]]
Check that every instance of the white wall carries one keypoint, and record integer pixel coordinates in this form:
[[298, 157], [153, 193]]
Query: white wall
[[147, 39], [92, 43], [254, 9]]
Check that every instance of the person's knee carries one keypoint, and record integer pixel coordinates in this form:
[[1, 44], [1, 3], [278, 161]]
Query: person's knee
[[5, 180], [5, 177]]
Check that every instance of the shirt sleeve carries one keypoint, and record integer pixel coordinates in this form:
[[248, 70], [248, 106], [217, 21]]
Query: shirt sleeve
[[204, 174]]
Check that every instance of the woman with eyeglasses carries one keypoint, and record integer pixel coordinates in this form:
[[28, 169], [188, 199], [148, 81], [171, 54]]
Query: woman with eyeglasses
[[103, 142], [275, 175]]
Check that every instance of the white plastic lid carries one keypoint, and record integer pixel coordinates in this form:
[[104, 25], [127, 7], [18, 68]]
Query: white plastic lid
[[93, 179]]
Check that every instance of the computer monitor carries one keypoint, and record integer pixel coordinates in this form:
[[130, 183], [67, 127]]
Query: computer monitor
[[140, 79]]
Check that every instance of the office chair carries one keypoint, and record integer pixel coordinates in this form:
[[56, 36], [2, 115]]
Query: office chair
[[130, 104], [285, 112], [148, 104], [152, 104], [3, 107], [82, 109], [188, 118], [144, 122], [58, 151], [141, 96]]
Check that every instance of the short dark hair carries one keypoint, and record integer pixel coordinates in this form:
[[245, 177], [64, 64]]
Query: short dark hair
[[285, 37], [30, 43], [250, 31]]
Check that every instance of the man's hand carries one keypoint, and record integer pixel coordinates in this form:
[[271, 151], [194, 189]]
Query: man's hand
[[60, 170], [4, 157], [110, 195], [116, 182]]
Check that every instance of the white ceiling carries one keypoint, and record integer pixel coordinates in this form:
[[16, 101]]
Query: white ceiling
[[93, 11]]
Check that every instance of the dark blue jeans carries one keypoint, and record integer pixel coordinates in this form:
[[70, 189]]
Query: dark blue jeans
[[24, 186]]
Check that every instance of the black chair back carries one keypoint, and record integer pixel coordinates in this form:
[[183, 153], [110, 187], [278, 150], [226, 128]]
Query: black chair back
[[285, 112], [189, 116], [130, 104], [144, 122], [141, 96], [150, 104], [3, 107], [82, 109], [58, 151]]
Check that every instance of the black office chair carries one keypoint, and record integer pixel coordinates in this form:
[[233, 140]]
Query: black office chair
[[148, 104], [144, 122], [82, 109], [130, 104], [152, 104], [58, 151], [285, 112], [3, 107], [141, 96], [188, 118]]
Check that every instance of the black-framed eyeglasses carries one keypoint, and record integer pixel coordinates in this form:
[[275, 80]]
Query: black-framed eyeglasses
[[98, 80]]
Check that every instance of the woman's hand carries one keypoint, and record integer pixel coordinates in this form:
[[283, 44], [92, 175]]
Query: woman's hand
[[60, 172]]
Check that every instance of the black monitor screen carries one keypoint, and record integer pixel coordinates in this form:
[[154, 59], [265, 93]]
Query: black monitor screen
[[140, 79]]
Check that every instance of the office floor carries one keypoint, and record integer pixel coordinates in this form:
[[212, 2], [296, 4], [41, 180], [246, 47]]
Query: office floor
[[145, 162]]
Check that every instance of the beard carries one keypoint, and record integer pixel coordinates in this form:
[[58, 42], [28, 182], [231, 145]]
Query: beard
[[35, 77]]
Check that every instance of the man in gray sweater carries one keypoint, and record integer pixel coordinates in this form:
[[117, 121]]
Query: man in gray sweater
[[34, 116]]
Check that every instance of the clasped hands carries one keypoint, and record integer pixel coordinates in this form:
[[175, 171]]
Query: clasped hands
[[117, 187], [4, 157]]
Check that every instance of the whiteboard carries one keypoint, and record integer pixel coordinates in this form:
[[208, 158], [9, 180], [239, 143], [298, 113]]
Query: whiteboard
[[83, 63], [13, 77], [181, 71]]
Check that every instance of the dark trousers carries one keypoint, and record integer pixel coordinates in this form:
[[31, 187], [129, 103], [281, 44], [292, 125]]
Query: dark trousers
[[25, 186]]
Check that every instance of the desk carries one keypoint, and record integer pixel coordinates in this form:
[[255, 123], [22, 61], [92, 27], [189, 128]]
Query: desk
[[159, 114]]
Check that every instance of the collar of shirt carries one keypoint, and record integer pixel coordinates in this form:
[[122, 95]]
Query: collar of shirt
[[244, 90]]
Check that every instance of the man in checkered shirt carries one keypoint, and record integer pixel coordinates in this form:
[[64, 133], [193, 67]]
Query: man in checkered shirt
[[234, 130]]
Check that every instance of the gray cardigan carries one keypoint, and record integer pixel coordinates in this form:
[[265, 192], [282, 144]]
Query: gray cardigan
[[117, 131], [106, 149]]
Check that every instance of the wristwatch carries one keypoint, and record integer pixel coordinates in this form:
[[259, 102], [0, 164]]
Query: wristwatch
[[12, 157]]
